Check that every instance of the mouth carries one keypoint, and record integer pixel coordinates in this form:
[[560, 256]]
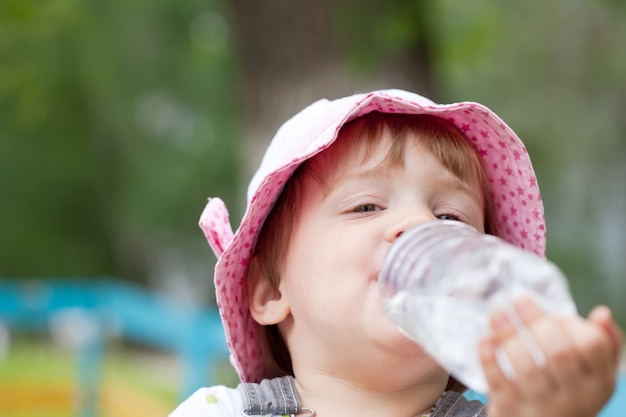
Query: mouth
[[374, 282]]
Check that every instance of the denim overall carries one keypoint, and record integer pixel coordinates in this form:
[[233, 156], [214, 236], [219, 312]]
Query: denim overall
[[278, 396]]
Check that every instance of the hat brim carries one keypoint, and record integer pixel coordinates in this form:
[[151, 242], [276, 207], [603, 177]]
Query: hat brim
[[512, 180]]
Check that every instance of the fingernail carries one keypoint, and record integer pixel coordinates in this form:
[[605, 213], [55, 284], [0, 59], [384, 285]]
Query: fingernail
[[487, 345], [499, 321], [525, 306], [486, 349]]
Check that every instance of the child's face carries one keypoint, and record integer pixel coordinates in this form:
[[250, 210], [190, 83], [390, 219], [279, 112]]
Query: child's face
[[345, 226]]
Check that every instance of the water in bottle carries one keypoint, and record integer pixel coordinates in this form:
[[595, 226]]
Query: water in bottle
[[441, 280]]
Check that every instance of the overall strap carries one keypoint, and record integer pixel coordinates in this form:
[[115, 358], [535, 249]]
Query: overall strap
[[278, 396], [270, 396], [454, 404]]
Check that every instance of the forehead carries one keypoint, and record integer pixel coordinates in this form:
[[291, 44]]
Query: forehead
[[354, 150], [383, 139]]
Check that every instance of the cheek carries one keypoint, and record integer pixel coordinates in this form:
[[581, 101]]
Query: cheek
[[331, 267]]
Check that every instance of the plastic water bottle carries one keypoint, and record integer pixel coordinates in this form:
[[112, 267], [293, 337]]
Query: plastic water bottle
[[441, 280]]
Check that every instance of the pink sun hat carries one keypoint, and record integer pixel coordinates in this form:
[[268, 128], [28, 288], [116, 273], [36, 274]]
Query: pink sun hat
[[514, 190]]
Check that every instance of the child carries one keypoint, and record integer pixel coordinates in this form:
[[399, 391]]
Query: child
[[297, 283]]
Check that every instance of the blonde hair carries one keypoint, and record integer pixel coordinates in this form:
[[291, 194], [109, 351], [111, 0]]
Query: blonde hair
[[442, 138]]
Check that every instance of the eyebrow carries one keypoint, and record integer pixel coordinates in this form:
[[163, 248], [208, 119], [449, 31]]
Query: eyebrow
[[475, 193], [382, 169], [462, 184], [378, 171]]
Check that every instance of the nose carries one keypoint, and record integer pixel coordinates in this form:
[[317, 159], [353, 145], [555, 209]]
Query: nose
[[407, 221]]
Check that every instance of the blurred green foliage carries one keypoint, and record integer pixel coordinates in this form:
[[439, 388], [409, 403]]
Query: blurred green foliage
[[556, 72], [116, 119], [37, 369], [119, 118]]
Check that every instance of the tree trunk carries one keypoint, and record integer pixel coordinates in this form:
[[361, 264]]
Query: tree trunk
[[291, 53]]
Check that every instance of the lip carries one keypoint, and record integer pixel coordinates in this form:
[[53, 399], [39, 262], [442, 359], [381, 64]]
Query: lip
[[374, 277], [374, 282]]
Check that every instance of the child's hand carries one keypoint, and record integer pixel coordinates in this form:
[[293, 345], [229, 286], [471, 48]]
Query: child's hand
[[579, 376]]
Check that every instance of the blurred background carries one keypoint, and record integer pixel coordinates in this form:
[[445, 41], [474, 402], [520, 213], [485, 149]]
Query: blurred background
[[119, 118]]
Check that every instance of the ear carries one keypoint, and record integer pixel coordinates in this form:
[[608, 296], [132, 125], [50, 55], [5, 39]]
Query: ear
[[267, 305]]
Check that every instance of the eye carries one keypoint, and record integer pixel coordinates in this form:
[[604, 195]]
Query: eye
[[449, 217], [365, 208]]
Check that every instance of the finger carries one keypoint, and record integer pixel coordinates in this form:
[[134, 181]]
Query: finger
[[526, 314], [593, 345], [602, 316], [496, 379], [595, 350], [575, 350], [531, 381], [528, 309], [560, 352]]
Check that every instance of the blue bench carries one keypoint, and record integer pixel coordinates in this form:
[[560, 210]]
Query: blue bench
[[194, 334], [105, 306]]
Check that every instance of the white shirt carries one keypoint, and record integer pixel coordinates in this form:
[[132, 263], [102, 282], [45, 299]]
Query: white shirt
[[216, 401]]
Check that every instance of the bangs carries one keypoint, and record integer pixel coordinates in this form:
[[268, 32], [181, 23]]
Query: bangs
[[436, 135]]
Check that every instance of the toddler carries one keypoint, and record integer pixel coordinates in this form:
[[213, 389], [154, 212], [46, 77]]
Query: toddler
[[297, 283]]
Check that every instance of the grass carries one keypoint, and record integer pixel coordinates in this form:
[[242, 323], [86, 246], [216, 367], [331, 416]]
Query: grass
[[39, 379]]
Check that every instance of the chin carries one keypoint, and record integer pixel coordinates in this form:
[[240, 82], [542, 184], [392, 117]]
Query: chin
[[396, 340]]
